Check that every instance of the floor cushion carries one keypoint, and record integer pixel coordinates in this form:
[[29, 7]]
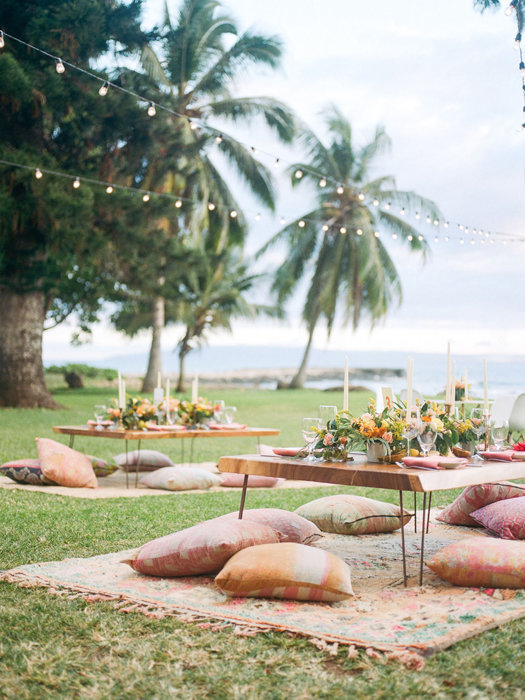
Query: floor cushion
[[290, 526], [481, 561], [145, 460], [201, 549], [474, 497], [101, 467], [504, 518], [286, 570], [237, 480], [180, 479], [353, 515], [65, 466], [25, 471]]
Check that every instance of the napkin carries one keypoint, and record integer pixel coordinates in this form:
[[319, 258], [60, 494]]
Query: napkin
[[504, 455], [434, 462], [105, 423], [286, 451], [224, 426]]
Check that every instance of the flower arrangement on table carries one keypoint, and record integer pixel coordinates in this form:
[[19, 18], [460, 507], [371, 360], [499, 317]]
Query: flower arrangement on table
[[136, 413], [453, 433], [196, 414]]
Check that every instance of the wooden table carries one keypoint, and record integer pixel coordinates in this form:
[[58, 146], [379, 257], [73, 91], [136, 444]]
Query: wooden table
[[139, 435], [374, 475]]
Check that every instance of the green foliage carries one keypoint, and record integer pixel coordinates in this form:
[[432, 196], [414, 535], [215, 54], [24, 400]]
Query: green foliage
[[84, 370]]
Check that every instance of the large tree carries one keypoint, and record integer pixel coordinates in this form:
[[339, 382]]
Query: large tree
[[337, 244], [51, 248], [193, 66]]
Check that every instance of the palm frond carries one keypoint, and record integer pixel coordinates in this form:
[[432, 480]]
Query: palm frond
[[276, 114]]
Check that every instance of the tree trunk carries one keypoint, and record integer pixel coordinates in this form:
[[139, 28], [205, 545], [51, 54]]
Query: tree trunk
[[155, 352], [22, 382], [300, 377], [180, 384]]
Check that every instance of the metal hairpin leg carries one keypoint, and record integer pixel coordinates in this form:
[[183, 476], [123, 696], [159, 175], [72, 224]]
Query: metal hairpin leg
[[428, 512], [403, 550], [423, 528], [243, 496], [71, 440], [415, 512], [137, 466]]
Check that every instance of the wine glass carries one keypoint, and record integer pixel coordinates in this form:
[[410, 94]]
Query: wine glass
[[218, 410], [499, 428], [477, 419], [412, 426], [327, 414], [99, 413], [229, 414], [427, 437], [310, 428]]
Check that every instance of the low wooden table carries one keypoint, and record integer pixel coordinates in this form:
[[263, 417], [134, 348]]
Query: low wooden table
[[139, 435], [383, 476]]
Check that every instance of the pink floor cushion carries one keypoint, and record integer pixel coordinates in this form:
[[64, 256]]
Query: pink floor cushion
[[504, 518], [237, 480], [481, 561], [290, 526], [474, 497], [101, 467], [180, 479], [145, 460], [352, 515], [65, 466], [201, 549], [25, 471], [286, 570]]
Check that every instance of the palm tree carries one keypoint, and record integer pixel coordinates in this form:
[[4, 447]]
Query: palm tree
[[339, 240], [193, 66]]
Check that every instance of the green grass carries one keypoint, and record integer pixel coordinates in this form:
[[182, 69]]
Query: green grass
[[52, 647]]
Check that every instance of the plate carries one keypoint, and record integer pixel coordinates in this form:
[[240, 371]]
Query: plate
[[450, 465]]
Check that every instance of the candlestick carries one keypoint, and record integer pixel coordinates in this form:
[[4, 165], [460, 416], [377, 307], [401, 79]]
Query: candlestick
[[466, 385], [345, 386], [447, 390], [453, 387], [123, 403], [195, 389], [410, 375], [168, 400], [485, 386], [159, 380]]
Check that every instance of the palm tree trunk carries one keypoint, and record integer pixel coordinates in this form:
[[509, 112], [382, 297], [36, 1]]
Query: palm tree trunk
[[155, 353], [180, 383], [300, 377]]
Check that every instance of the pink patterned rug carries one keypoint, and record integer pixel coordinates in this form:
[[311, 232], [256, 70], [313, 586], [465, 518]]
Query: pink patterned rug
[[404, 622]]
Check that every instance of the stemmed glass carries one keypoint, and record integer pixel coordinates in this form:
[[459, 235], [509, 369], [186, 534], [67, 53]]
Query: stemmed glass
[[218, 410], [99, 413], [499, 429], [327, 414], [477, 419], [427, 437], [310, 428], [229, 414], [412, 426]]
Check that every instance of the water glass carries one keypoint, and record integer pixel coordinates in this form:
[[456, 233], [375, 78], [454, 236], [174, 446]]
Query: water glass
[[477, 419], [310, 430], [427, 437], [229, 414], [99, 413], [218, 410], [412, 426], [327, 414], [499, 429]]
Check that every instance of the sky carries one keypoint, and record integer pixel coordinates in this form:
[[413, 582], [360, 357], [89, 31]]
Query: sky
[[444, 82]]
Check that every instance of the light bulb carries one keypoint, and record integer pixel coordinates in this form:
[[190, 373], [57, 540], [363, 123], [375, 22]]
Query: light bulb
[[461, 227], [522, 68], [387, 206], [446, 224], [76, 183], [492, 240], [359, 231], [360, 196], [342, 229], [109, 189], [410, 237], [211, 206], [145, 197], [257, 217], [151, 110], [428, 219], [461, 241], [420, 237], [436, 239], [254, 151], [376, 234], [436, 222], [276, 164], [394, 236], [473, 242], [298, 174], [418, 215], [402, 212], [2, 41], [325, 227], [218, 138], [474, 231], [466, 229], [447, 238], [282, 220], [510, 8], [192, 124], [322, 182], [38, 173], [178, 204], [103, 89], [59, 66], [517, 42], [340, 189], [302, 224], [233, 214], [376, 202]]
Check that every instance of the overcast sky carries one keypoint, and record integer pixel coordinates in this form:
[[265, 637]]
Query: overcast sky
[[444, 82]]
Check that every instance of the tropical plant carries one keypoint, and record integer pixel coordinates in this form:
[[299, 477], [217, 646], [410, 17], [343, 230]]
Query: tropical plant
[[337, 243], [194, 64]]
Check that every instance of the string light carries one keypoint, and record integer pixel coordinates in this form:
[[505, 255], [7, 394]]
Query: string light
[[192, 124], [103, 89], [394, 236], [517, 41], [342, 229], [2, 40], [276, 163], [436, 239], [211, 206], [109, 189], [376, 234], [325, 227], [59, 66], [361, 197], [151, 110], [428, 219], [233, 214], [254, 151], [218, 139], [420, 237], [436, 222], [387, 206], [340, 189], [410, 237], [418, 215], [376, 202], [178, 204], [446, 224], [298, 174], [38, 174], [145, 197], [322, 182], [359, 231], [302, 224], [403, 211], [257, 217], [76, 183], [282, 220]]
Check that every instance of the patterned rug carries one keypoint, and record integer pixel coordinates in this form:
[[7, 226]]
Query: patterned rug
[[406, 623]]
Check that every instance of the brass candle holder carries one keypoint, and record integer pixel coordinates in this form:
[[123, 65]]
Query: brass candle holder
[[486, 421]]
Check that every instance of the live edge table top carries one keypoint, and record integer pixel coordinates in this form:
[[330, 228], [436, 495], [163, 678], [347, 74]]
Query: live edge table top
[[161, 434], [373, 475]]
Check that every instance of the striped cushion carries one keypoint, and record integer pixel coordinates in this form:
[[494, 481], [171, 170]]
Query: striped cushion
[[201, 549], [504, 518], [481, 561], [290, 526], [352, 515], [286, 570], [474, 497]]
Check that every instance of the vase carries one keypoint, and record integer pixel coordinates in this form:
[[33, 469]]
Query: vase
[[464, 449], [376, 452]]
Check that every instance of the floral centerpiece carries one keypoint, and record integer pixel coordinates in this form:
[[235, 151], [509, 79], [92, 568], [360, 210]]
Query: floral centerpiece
[[136, 413], [196, 414]]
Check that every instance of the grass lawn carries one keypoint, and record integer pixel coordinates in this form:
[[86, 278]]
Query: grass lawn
[[51, 647]]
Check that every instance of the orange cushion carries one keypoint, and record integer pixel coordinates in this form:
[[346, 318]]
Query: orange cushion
[[286, 570], [481, 561], [201, 549], [65, 466]]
